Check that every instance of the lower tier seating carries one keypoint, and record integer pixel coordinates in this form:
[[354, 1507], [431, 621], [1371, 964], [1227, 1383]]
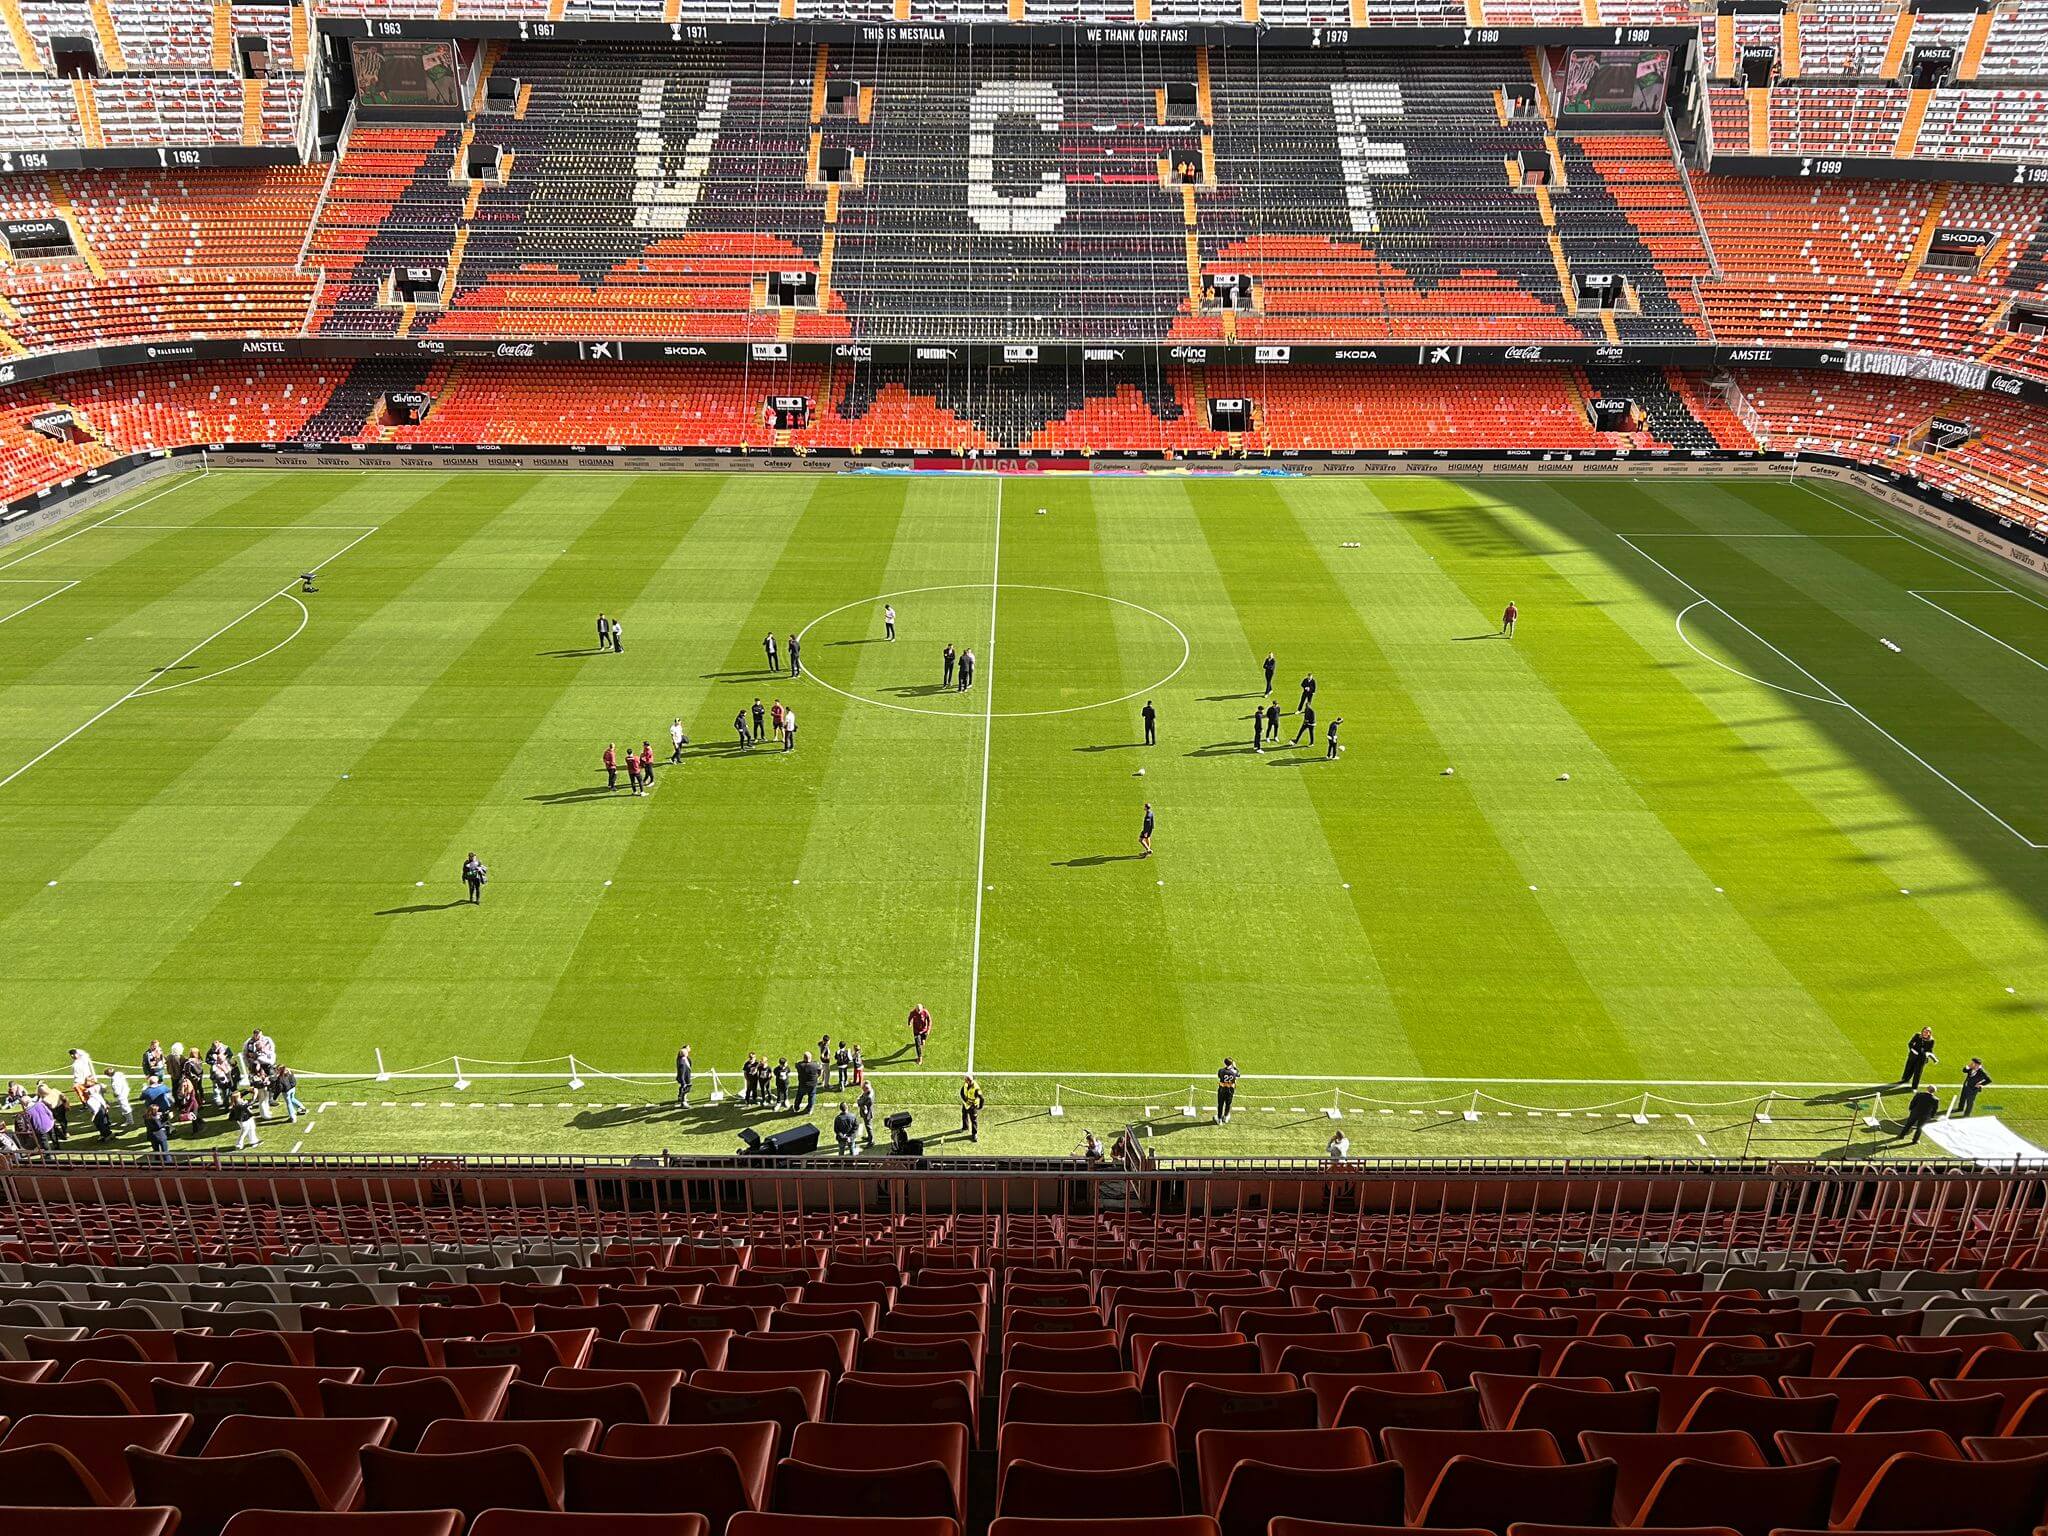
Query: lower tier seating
[[939, 408]]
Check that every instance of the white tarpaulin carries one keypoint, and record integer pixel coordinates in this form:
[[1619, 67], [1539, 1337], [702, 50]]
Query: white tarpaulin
[[1984, 1139]]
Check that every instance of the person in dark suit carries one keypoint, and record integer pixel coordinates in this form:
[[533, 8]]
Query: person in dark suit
[[1334, 723], [1920, 1112], [1258, 730], [946, 658], [845, 1129], [768, 645], [806, 1085], [796, 656], [1151, 723], [474, 875], [1975, 1081], [1272, 662], [604, 633], [1273, 721], [1919, 1052], [685, 1075], [1308, 691], [1308, 725]]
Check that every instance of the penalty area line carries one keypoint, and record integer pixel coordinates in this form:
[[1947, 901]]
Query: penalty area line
[[1834, 695], [145, 688], [988, 727]]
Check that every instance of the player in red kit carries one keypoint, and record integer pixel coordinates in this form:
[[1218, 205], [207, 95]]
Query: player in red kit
[[1507, 620], [920, 1029]]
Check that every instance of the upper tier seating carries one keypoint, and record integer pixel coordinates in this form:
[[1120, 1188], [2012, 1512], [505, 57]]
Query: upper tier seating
[[199, 253]]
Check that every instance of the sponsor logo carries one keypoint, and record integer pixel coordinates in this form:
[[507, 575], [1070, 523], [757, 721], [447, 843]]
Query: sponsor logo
[[1272, 354], [1752, 355], [2004, 383], [769, 351], [263, 348], [426, 344], [935, 354], [1522, 354], [170, 351], [678, 349], [860, 352], [515, 349], [1026, 352], [1357, 354], [1190, 354], [1102, 354]]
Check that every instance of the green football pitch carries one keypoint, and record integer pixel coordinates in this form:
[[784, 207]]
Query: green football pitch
[[1757, 788]]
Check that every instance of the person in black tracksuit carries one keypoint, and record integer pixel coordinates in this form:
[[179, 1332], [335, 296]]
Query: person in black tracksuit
[[1273, 721], [1151, 723], [1308, 725], [1308, 691], [1226, 1090], [1272, 662]]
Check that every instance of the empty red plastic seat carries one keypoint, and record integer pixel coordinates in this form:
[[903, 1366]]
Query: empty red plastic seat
[[1218, 1452], [355, 1522], [753, 1448], [99, 1446], [1641, 1459], [1143, 1492], [877, 1448], [1860, 1456], [302, 1381], [134, 1521], [550, 1522], [1172, 1525], [1081, 1448], [1473, 1493], [1919, 1492]]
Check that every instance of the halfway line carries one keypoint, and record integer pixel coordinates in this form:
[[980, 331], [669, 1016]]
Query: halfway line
[[988, 726]]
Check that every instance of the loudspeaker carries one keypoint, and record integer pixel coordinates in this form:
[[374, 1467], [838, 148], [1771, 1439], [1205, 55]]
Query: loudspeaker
[[797, 1141]]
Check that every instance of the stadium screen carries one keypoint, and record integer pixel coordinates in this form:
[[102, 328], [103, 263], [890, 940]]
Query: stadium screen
[[408, 74], [1630, 80]]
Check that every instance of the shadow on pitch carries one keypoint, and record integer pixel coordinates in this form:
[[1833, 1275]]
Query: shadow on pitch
[[1226, 698], [572, 796], [1236, 748], [424, 906], [866, 640], [1111, 746], [1093, 859], [735, 675], [1313, 759], [922, 690], [1491, 634], [588, 650]]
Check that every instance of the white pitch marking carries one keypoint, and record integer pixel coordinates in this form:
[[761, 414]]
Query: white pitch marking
[[42, 549], [144, 687], [1938, 608], [1892, 645], [1835, 696], [988, 730], [30, 581]]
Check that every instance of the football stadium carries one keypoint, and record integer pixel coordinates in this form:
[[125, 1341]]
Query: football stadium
[[1327, 814]]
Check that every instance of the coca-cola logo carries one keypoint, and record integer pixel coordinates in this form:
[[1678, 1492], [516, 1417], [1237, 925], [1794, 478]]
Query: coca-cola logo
[[1523, 354], [515, 349]]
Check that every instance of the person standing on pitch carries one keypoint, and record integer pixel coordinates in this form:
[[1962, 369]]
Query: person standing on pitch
[[1308, 691], [947, 658], [889, 620], [789, 730], [1308, 725], [806, 1086], [1335, 721], [604, 633], [474, 875], [1273, 722], [611, 765], [1145, 833], [677, 740], [1975, 1081], [633, 770], [685, 1075], [864, 1101], [739, 725], [768, 645], [845, 1130], [647, 762], [1507, 620], [782, 1082], [618, 637], [1272, 664], [1226, 1090], [1920, 1112], [796, 655], [759, 716], [1258, 729], [920, 1029], [967, 669], [1919, 1052], [971, 1105], [1151, 723]]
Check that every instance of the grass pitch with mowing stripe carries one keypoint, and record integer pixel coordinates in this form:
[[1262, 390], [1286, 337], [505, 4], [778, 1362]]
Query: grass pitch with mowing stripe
[[1805, 743]]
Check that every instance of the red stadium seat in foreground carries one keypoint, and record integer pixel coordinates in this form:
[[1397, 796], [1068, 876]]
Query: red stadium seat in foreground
[[138, 1520], [1173, 1525], [99, 1447], [412, 1522], [840, 1525], [529, 1522]]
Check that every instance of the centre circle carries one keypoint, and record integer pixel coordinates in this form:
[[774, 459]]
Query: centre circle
[[1056, 651]]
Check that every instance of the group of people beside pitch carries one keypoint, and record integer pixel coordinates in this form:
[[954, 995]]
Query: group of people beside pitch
[[245, 1085]]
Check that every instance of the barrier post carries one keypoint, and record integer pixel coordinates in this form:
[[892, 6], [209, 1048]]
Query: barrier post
[[382, 1075], [461, 1082], [575, 1079], [1057, 1110]]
